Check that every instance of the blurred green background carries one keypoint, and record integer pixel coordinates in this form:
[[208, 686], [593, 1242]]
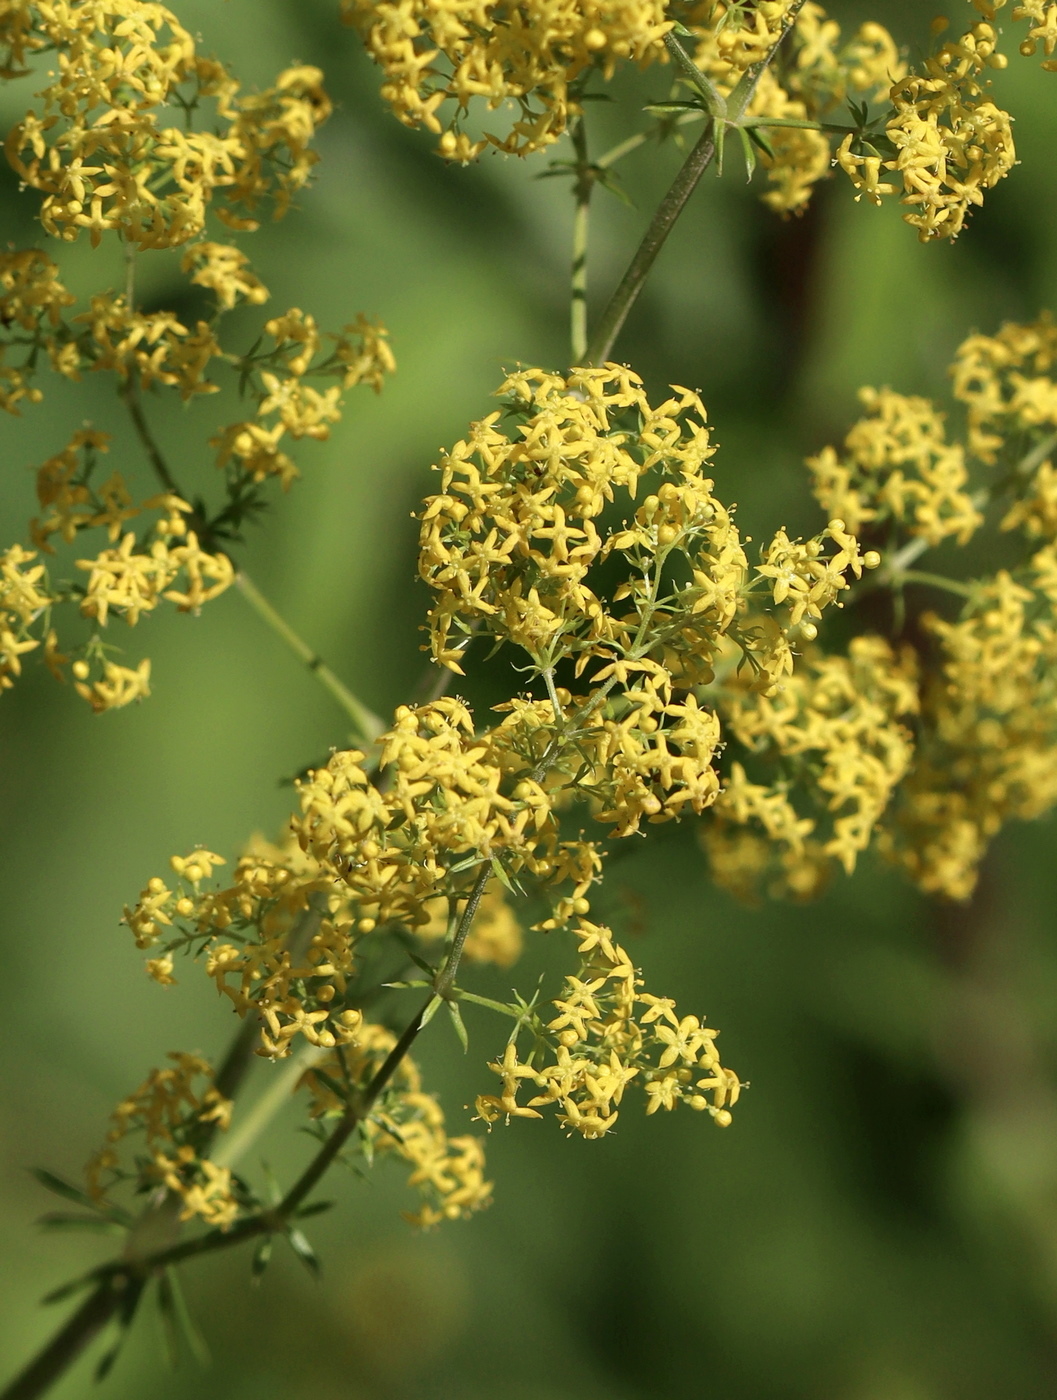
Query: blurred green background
[[880, 1223]]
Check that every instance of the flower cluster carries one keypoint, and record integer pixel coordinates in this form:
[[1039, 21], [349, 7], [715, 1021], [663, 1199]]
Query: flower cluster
[[96, 147], [448, 1172], [276, 377], [606, 1034], [832, 746], [512, 543], [949, 141], [988, 751], [128, 579], [527, 55], [24, 602], [176, 1109], [898, 467], [821, 73]]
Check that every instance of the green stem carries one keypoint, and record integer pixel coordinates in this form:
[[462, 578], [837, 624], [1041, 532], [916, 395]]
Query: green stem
[[625, 148], [672, 205], [581, 226], [366, 721], [248, 1130], [445, 979], [948, 585]]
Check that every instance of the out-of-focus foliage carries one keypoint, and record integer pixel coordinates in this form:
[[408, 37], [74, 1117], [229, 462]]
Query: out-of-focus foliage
[[879, 1222]]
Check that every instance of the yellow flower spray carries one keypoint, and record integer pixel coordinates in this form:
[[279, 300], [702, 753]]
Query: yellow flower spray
[[672, 670]]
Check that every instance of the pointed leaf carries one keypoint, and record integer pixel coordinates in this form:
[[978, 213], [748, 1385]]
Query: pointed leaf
[[748, 152], [501, 875], [274, 1190], [459, 1024], [189, 1329], [304, 1251], [67, 1290], [57, 1220], [316, 1208], [431, 1011], [499, 1006], [66, 1189], [261, 1258]]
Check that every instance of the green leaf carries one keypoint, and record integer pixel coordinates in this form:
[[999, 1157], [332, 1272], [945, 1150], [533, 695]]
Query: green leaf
[[501, 875], [431, 1011], [57, 1220], [304, 1251], [609, 182], [67, 1290], [261, 1258], [421, 963], [273, 1189], [316, 1208], [748, 152], [459, 1024], [189, 1329], [366, 1144], [170, 1330], [126, 1316], [56, 1184], [501, 1007], [757, 137]]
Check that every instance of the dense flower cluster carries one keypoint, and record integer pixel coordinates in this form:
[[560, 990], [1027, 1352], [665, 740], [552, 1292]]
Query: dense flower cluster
[[525, 55], [820, 72], [512, 543], [173, 1109], [601, 1040], [898, 467], [98, 149], [832, 745], [985, 723], [96, 146]]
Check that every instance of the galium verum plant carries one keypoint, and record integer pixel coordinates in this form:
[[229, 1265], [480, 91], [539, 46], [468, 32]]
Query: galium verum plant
[[671, 668]]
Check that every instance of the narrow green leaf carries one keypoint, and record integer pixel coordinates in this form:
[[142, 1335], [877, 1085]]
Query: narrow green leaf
[[67, 1290], [459, 1024], [431, 1010], [170, 1331], [501, 1007], [57, 1220], [501, 875], [189, 1329], [261, 1259], [748, 152], [66, 1189], [757, 137], [316, 1208], [304, 1251], [421, 963], [274, 1190]]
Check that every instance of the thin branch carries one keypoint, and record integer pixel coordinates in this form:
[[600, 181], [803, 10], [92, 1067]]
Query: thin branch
[[673, 204], [366, 721], [581, 226], [664, 220], [66, 1346]]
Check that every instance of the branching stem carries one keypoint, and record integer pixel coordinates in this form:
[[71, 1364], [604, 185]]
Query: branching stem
[[674, 202]]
